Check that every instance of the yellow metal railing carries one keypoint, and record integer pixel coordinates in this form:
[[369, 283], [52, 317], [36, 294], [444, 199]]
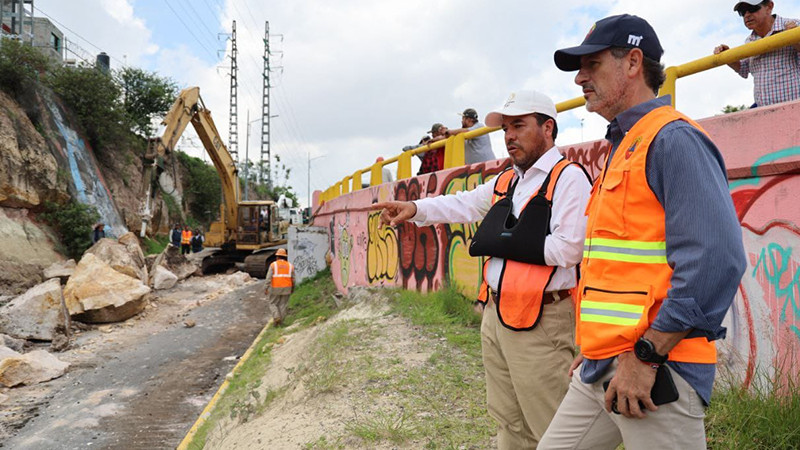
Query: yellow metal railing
[[454, 145]]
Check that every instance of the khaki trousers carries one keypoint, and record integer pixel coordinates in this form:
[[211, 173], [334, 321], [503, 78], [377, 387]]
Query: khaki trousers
[[278, 305], [583, 423], [526, 372]]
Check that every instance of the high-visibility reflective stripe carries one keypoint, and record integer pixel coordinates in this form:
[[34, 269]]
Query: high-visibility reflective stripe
[[625, 258], [612, 313], [620, 243], [625, 251], [288, 275], [646, 252], [622, 307], [607, 319], [602, 312]]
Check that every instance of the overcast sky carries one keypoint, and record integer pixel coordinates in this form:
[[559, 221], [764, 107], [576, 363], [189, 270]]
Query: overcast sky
[[361, 79]]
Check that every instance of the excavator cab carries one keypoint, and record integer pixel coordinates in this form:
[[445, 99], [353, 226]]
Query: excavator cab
[[255, 224]]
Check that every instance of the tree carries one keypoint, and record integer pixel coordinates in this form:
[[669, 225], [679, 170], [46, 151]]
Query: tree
[[202, 188], [731, 109], [93, 96], [20, 66], [73, 222], [145, 95]]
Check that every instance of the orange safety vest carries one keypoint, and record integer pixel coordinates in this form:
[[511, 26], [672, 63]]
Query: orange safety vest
[[186, 237], [521, 286], [625, 275], [281, 273]]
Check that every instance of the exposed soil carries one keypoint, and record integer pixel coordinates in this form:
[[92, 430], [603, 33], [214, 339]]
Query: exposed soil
[[375, 387], [141, 383]]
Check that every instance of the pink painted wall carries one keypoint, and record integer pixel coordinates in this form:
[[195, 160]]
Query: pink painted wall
[[762, 153]]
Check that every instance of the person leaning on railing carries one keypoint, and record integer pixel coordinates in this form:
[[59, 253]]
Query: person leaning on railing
[[776, 74], [479, 148]]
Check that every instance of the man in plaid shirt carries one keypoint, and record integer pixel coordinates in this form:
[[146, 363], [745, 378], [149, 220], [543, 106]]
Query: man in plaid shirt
[[776, 74]]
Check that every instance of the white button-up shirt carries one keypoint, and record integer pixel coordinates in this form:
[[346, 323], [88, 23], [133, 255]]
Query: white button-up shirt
[[563, 247]]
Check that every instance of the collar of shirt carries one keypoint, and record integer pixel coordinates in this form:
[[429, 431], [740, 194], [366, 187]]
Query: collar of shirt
[[545, 163], [625, 120]]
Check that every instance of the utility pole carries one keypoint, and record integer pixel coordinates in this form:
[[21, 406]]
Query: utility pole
[[308, 186], [233, 126], [265, 151], [247, 155]]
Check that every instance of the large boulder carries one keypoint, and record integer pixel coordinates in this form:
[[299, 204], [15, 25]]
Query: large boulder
[[6, 352], [61, 270], [125, 259], [31, 368], [13, 343], [96, 293], [36, 314], [163, 278], [172, 260]]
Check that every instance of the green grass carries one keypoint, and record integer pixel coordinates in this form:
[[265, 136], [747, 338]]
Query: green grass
[[445, 313], [242, 400], [766, 416], [155, 245]]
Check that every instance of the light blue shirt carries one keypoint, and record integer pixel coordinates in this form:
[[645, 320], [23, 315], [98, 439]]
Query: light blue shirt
[[686, 173]]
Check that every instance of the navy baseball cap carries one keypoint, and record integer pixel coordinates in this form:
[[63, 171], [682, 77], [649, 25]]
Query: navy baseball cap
[[623, 30]]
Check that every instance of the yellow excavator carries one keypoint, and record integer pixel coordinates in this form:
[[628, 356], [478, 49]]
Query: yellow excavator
[[248, 231]]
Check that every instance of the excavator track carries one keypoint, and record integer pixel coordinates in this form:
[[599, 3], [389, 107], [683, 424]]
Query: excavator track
[[256, 264]]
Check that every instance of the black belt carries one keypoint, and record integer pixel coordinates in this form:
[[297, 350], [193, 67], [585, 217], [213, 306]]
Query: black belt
[[547, 298]]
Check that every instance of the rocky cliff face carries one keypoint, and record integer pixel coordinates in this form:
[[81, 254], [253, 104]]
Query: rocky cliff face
[[51, 161]]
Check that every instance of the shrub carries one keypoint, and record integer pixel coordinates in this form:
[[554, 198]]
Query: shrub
[[201, 189], [94, 97], [73, 222], [20, 65]]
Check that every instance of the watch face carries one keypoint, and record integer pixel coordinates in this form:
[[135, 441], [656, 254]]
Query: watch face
[[643, 349]]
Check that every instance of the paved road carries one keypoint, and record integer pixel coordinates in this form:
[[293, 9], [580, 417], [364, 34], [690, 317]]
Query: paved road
[[148, 394]]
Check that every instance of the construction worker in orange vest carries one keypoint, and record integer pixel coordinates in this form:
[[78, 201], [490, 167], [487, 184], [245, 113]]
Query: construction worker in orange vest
[[279, 285], [186, 240], [532, 230], [662, 260]]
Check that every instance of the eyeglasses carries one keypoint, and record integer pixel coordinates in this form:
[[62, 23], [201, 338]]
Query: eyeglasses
[[745, 8]]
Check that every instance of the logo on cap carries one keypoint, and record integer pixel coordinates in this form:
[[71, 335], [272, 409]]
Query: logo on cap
[[634, 40], [510, 100], [590, 31]]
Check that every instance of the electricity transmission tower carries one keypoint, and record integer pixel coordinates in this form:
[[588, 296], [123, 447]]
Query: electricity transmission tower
[[233, 126]]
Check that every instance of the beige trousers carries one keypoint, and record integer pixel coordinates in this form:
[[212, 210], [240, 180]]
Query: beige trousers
[[526, 372], [583, 423], [278, 305]]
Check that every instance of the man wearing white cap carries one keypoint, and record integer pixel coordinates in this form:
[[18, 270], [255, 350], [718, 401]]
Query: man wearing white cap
[[532, 230], [776, 74]]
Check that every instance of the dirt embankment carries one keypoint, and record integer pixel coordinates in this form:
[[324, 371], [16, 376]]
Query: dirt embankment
[[366, 378]]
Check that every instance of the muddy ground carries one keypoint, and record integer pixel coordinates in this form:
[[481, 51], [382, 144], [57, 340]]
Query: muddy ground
[[142, 383]]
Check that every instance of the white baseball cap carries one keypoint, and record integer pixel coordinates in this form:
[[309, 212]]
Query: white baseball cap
[[522, 103], [749, 2]]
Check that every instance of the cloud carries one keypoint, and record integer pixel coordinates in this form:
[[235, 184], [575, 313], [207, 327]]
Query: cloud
[[355, 79]]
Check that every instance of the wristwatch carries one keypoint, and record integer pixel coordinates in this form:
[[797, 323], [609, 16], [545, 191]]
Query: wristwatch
[[646, 352]]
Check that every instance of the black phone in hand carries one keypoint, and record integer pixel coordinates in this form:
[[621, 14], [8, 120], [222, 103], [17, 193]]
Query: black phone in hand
[[663, 391]]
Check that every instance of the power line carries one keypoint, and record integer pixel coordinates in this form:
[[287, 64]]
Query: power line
[[189, 29], [199, 20]]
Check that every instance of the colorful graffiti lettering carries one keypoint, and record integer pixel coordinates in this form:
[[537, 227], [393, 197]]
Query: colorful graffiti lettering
[[775, 263], [419, 246], [345, 247], [381, 251], [591, 158]]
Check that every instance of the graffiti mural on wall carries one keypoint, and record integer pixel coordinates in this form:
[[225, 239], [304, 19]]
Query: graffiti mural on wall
[[762, 159], [769, 302], [381, 251], [419, 246]]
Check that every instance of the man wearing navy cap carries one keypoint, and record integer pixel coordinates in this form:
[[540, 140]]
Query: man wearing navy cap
[[776, 74], [662, 258]]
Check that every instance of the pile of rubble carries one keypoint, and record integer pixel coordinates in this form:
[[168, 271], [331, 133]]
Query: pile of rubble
[[111, 283]]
